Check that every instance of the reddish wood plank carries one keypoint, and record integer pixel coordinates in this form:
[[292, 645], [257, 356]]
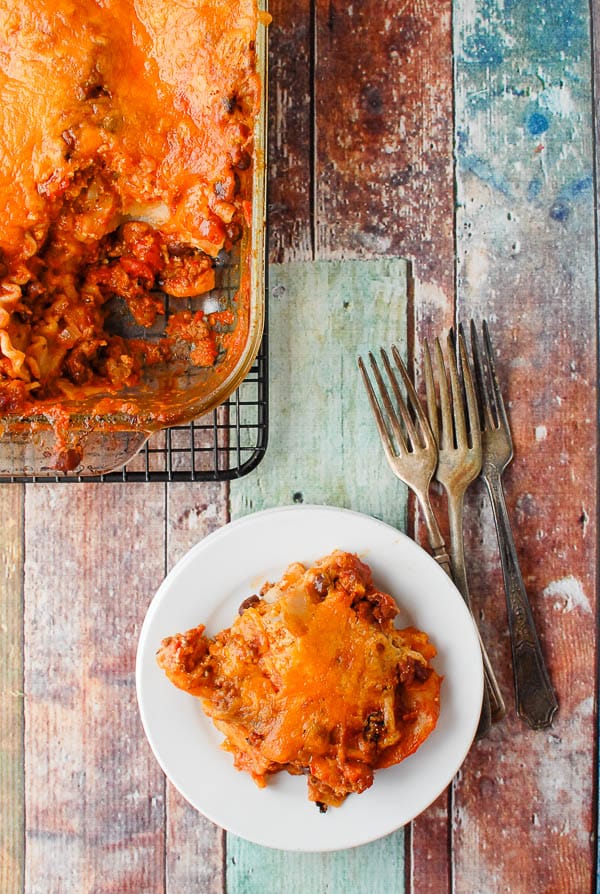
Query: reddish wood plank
[[94, 793], [195, 848], [290, 183], [12, 826], [428, 848], [550, 495], [384, 133]]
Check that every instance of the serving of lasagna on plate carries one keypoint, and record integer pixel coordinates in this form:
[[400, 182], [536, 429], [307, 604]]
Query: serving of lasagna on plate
[[126, 165], [313, 678]]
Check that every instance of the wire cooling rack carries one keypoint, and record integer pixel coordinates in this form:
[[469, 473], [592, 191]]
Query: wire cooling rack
[[227, 443], [223, 445]]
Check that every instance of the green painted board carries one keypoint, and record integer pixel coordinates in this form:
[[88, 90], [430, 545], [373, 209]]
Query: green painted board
[[323, 445], [324, 448], [376, 868]]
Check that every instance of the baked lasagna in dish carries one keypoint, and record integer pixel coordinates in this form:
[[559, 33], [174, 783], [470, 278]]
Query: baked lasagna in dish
[[313, 678], [126, 164]]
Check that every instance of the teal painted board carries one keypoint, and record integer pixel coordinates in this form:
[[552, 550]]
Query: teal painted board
[[324, 448], [376, 868], [323, 445]]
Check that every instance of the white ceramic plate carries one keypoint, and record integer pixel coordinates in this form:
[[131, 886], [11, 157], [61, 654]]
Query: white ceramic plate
[[208, 585]]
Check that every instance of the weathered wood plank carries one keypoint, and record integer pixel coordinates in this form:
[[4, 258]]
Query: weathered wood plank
[[290, 180], [94, 793], [322, 435], [384, 133], [375, 868], [12, 825], [595, 15], [195, 848], [523, 815], [324, 448]]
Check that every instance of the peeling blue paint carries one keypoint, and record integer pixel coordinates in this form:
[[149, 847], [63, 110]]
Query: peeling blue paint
[[560, 209], [553, 29], [484, 50], [534, 188], [486, 173], [584, 185], [485, 46], [526, 67], [537, 123]]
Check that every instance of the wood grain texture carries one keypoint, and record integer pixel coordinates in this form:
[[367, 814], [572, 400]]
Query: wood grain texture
[[595, 14], [375, 868], [12, 824], [384, 133], [527, 262], [322, 436], [324, 448], [290, 168], [94, 794], [195, 847]]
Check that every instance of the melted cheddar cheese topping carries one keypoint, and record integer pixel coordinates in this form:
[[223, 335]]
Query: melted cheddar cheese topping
[[313, 678], [126, 142]]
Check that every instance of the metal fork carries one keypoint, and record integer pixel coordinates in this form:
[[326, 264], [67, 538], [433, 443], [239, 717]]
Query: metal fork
[[412, 455], [459, 463], [535, 698]]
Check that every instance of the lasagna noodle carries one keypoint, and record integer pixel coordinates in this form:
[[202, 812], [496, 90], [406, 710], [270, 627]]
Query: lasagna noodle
[[313, 678], [125, 167]]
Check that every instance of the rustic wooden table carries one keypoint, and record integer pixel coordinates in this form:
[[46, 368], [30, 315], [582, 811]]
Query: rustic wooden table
[[459, 136]]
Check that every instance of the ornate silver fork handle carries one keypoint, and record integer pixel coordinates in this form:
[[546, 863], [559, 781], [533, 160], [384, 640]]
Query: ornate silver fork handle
[[535, 699]]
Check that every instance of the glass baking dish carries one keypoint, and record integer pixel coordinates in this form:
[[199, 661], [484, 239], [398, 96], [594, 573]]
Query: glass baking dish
[[104, 431]]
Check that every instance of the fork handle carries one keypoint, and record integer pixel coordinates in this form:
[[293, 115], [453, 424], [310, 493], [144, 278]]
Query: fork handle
[[438, 548], [535, 698], [436, 541], [457, 556]]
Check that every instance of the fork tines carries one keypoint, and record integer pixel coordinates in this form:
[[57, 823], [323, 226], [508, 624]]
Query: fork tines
[[492, 409], [407, 428], [457, 408], [407, 439]]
